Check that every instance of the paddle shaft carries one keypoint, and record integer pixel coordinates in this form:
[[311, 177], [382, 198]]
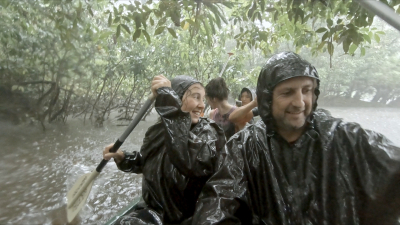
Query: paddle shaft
[[383, 11], [132, 126]]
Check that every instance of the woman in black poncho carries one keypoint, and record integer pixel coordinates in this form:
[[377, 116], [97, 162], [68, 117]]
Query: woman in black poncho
[[177, 157]]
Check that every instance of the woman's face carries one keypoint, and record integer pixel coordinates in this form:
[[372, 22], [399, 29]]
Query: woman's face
[[193, 101], [245, 98]]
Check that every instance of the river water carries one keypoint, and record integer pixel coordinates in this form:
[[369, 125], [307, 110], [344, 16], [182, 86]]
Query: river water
[[38, 168]]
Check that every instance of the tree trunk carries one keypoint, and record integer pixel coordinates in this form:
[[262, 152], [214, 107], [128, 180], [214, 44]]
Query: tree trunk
[[64, 107], [98, 97]]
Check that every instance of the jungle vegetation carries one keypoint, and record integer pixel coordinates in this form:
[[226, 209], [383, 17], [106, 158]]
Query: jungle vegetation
[[61, 59]]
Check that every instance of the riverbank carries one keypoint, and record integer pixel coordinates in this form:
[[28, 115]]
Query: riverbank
[[339, 101]]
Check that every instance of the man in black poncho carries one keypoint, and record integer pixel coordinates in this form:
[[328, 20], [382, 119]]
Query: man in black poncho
[[299, 165]]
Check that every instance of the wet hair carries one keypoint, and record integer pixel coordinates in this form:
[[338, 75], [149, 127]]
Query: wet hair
[[217, 88]]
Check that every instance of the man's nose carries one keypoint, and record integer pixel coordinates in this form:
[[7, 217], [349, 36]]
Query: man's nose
[[298, 100]]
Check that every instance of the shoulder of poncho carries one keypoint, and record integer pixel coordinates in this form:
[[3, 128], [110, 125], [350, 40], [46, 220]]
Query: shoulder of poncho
[[209, 122], [327, 123], [157, 127], [207, 127], [249, 130], [154, 132], [331, 128], [153, 140]]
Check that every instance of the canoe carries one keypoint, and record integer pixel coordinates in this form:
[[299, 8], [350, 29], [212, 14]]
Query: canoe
[[126, 210]]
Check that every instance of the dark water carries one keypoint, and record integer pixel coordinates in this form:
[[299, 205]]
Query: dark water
[[37, 169]]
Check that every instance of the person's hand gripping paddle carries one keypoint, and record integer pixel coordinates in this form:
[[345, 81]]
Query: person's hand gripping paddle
[[77, 195]]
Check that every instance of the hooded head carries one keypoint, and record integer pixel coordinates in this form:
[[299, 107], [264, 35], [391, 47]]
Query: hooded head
[[193, 102], [248, 90], [281, 67], [181, 83]]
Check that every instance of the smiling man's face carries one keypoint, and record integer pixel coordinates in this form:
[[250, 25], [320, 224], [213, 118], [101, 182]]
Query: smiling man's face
[[292, 103]]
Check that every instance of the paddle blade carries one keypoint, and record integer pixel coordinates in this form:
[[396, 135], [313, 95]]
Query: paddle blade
[[76, 197]]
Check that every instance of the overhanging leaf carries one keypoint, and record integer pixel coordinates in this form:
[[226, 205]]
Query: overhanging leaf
[[118, 30], [90, 10], [251, 10], [147, 36], [159, 30], [346, 45], [377, 38], [262, 5], [126, 28], [115, 11], [330, 48], [367, 38], [325, 36], [208, 33], [321, 30], [321, 45], [186, 26], [109, 20], [329, 22], [136, 35], [352, 48], [162, 21], [276, 14], [263, 36], [172, 32], [214, 8], [362, 51]]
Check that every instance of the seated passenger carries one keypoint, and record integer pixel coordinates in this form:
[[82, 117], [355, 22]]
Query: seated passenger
[[245, 113], [217, 97], [177, 157]]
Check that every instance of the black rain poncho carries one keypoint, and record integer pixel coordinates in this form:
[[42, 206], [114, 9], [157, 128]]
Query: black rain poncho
[[335, 173], [176, 159]]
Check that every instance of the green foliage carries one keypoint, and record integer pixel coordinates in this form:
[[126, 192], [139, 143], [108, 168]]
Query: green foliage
[[74, 57], [318, 24]]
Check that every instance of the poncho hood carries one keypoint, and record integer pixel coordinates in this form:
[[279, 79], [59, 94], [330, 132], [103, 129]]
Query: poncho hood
[[278, 68], [252, 92], [181, 83]]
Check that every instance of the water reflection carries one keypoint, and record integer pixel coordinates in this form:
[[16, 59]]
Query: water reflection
[[37, 169]]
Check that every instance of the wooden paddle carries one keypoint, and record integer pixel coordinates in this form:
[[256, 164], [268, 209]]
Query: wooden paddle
[[383, 11], [76, 197]]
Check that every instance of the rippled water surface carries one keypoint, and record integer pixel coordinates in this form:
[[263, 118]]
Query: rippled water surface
[[38, 168]]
